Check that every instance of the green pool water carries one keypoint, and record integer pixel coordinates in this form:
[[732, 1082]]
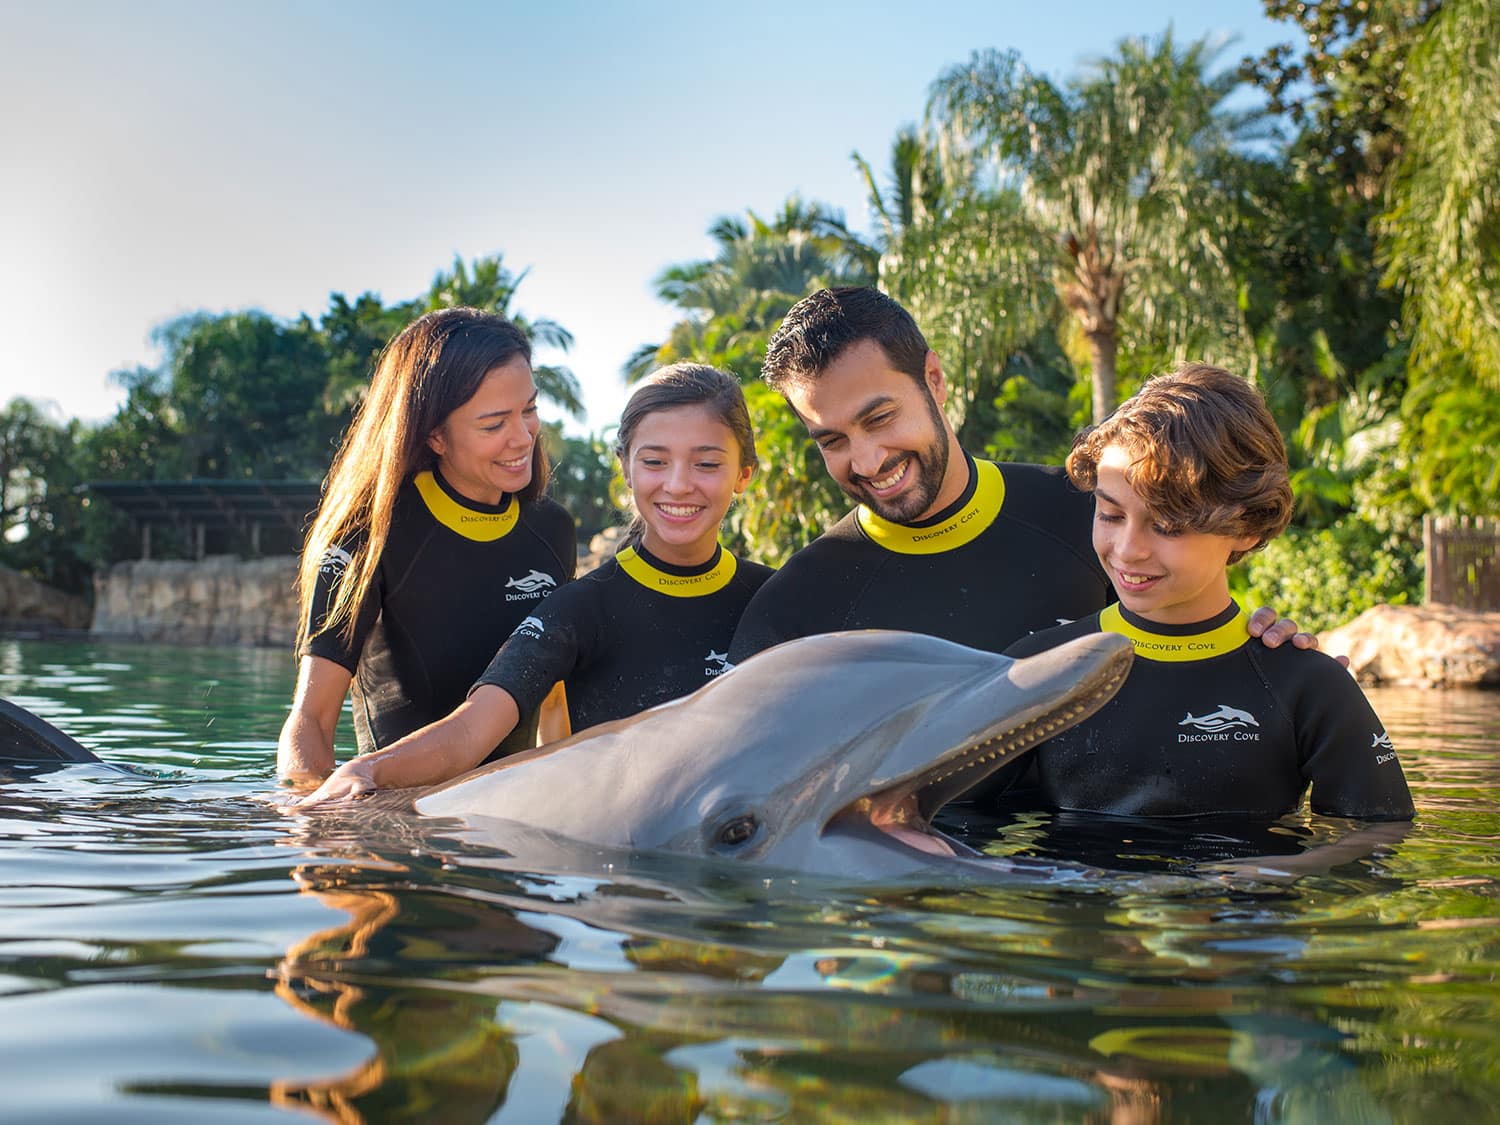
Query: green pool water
[[172, 949]]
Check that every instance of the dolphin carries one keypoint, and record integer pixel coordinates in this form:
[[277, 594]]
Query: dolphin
[[25, 737], [828, 754], [825, 755]]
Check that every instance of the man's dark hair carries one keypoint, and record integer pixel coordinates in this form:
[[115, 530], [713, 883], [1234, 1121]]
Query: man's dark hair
[[823, 326]]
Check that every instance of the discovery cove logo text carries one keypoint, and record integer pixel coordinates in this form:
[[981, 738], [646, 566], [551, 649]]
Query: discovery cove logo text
[[1382, 741], [533, 585], [1220, 725], [716, 663], [333, 563], [531, 627]]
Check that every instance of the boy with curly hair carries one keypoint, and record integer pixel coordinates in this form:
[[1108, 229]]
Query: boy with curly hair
[[1188, 477]]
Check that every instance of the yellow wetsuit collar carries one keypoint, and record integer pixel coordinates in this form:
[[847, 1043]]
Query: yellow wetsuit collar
[[1214, 637], [469, 520], [678, 582], [961, 524]]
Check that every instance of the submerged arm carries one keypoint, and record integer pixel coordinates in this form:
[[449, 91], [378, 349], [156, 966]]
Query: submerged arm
[[440, 750], [1317, 860]]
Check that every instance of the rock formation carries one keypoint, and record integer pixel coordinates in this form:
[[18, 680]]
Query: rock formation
[[1420, 646]]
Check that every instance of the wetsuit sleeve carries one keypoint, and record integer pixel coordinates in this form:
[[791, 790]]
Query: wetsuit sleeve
[[330, 643], [542, 650], [1344, 750], [767, 621]]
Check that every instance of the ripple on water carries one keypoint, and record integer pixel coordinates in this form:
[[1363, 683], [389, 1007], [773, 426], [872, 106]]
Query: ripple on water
[[170, 947]]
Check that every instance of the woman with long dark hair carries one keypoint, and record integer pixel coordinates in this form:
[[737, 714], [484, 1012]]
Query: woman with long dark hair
[[431, 544]]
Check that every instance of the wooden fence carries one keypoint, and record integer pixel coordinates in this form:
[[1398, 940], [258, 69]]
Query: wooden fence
[[1463, 561]]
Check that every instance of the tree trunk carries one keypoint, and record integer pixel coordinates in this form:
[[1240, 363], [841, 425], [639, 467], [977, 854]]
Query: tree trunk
[[1103, 344]]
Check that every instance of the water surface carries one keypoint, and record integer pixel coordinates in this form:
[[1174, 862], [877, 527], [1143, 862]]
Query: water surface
[[173, 950]]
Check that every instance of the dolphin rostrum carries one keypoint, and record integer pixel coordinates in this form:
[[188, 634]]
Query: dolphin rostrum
[[827, 754]]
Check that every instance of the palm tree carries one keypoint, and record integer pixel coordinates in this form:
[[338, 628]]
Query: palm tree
[[1440, 243], [1122, 169], [488, 285], [735, 300], [964, 262]]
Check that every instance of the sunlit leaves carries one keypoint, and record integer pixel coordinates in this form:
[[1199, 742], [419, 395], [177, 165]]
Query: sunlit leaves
[[1122, 171]]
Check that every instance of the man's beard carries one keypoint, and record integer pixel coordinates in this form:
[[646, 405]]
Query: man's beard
[[930, 466]]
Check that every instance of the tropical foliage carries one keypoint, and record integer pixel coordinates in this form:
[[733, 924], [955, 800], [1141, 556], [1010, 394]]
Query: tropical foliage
[[733, 301], [240, 395], [1118, 178], [1338, 242], [1441, 247]]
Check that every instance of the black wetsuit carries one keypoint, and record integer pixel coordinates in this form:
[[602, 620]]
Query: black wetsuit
[[633, 633], [1012, 555], [1208, 723], [454, 579]]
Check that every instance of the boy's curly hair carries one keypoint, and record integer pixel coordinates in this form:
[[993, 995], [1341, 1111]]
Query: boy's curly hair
[[1205, 455]]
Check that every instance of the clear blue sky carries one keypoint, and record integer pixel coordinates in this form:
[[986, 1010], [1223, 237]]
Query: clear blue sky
[[170, 156]]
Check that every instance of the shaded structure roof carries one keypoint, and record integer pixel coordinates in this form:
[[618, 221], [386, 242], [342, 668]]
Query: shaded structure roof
[[238, 504]]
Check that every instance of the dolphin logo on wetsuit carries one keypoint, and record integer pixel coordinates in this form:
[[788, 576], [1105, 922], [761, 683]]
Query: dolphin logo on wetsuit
[[1222, 719], [531, 583], [333, 563]]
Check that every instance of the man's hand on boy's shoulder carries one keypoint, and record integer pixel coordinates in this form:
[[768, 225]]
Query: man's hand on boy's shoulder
[[1274, 630]]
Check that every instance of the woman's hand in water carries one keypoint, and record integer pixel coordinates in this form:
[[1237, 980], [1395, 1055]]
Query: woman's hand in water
[[349, 782]]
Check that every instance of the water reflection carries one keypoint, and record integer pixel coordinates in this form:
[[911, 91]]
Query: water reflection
[[170, 947], [662, 995]]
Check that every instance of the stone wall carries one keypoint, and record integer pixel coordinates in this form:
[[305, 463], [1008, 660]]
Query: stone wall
[[28, 604], [219, 600]]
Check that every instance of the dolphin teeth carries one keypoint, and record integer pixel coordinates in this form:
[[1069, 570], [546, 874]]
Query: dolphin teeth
[[983, 753]]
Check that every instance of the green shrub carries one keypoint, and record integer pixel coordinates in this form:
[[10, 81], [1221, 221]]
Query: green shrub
[[1327, 577]]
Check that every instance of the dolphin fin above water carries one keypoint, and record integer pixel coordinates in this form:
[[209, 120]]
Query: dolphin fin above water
[[26, 738]]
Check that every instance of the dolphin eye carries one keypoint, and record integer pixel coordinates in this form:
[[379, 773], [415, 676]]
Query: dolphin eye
[[740, 830]]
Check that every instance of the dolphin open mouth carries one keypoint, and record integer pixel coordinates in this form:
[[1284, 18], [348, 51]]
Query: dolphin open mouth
[[901, 819], [1071, 683]]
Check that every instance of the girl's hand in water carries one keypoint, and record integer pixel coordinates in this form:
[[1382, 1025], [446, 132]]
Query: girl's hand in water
[[349, 782]]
